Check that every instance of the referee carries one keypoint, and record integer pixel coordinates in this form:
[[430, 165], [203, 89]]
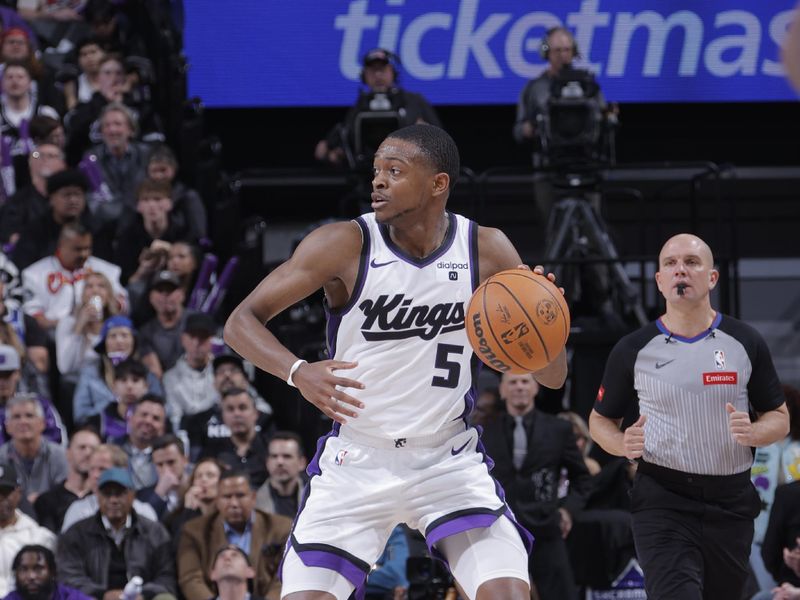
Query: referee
[[696, 376]]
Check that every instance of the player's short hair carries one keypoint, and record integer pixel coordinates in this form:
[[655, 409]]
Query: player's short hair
[[436, 144]]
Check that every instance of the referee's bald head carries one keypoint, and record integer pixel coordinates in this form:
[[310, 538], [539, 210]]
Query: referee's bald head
[[683, 244]]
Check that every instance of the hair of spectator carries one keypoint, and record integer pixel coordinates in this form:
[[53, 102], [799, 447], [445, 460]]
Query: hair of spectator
[[20, 64], [221, 466], [154, 188], [163, 154], [118, 456], [150, 397], [84, 429], [236, 472], [166, 440], [89, 40], [237, 391], [436, 145], [288, 436], [73, 229], [130, 367], [25, 398], [119, 107], [46, 553]]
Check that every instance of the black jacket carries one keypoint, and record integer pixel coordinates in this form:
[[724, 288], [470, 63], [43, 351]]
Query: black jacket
[[532, 492], [782, 532], [84, 552]]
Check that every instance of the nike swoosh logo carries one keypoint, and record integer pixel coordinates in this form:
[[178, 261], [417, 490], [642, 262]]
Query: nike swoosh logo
[[664, 364], [453, 451], [377, 265]]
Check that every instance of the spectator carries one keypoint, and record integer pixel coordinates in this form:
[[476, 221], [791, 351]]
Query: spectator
[[236, 521], [99, 554], [52, 505], [781, 547], [19, 46], [188, 210], [56, 281], [282, 492], [16, 528], [78, 332], [160, 336], [189, 385], [184, 259], [246, 447], [199, 499], [232, 574], [152, 222], [46, 130], [169, 459], [530, 449], [582, 438], [30, 204], [10, 378], [84, 86], [130, 384], [104, 457], [148, 421], [34, 569], [63, 10], [487, 407], [40, 463], [379, 75], [95, 389]]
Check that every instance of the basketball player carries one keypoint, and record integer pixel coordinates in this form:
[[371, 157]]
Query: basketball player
[[693, 376], [400, 383]]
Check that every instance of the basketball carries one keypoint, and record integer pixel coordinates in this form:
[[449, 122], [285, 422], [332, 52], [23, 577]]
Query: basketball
[[517, 321]]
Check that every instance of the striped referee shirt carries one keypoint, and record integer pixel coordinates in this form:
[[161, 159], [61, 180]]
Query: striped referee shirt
[[682, 385]]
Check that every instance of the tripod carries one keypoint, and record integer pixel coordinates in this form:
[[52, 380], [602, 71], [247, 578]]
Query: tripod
[[575, 229]]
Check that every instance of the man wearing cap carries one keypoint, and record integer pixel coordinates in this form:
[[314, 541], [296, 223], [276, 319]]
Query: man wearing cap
[[98, 554], [189, 385], [160, 337], [379, 75], [232, 574], [10, 377], [54, 284], [16, 528], [40, 463]]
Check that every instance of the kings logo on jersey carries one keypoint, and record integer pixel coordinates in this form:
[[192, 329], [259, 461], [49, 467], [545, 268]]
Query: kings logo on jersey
[[397, 318]]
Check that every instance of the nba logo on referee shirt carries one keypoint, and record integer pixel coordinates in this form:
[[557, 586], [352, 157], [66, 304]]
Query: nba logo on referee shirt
[[339, 460], [719, 359]]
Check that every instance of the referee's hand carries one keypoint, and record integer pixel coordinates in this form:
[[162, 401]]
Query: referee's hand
[[633, 439], [740, 425]]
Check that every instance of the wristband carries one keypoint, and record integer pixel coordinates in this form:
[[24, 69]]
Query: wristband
[[294, 368]]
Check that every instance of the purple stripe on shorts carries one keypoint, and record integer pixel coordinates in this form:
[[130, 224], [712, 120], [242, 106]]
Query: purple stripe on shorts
[[313, 466], [458, 525], [329, 560]]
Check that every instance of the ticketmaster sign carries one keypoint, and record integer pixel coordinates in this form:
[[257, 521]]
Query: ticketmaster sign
[[307, 52]]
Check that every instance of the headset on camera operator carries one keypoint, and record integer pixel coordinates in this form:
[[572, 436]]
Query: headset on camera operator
[[559, 81], [382, 106]]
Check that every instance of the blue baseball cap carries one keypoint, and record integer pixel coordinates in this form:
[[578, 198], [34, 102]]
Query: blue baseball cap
[[116, 475], [110, 323]]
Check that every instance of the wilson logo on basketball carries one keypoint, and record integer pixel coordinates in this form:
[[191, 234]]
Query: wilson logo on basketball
[[512, 335], [487, 355], [721, 378], [546, 310]]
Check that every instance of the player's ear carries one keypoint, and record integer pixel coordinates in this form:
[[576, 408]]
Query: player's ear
[[441, 183]]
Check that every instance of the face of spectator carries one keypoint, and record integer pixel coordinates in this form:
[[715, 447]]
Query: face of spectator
[[562, 50], [181, 259], [115, 129], [231, 564], [33, 577], [8, 384], [161, 171], [170, 459], [15, 47], [9, 501], [79, 452], [379, 76], [57, 137], [239, 414], [206, 477], [23, 423], [67, 203], [119, 339], [229, 375], [110, 74], [16, 82], [197, 349], [154, 207], [129, 389], [518, 391], [89, 58], [115, 503], [284, 461], [166, 299], [95, 285], [147, 423], [46, 160], [74, 251], [235, 500], [99, 461], [485, 408]]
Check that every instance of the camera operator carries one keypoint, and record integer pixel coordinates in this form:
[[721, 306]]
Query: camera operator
[[382, 93]]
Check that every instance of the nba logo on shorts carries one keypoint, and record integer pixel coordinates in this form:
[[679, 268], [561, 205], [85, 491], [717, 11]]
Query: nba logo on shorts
[[339, 460], [719, 359]]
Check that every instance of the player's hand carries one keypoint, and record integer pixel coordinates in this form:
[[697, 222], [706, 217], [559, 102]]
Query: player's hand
[[740, 425], [539, 270], [786, 592], [565, 524], [633, 438], [318, 384]]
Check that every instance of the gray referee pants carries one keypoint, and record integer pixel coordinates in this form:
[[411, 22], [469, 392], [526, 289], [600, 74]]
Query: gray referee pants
[[693, 532]]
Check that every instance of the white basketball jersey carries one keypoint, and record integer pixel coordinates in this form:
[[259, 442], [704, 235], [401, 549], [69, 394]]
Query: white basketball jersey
[[404, 325]]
